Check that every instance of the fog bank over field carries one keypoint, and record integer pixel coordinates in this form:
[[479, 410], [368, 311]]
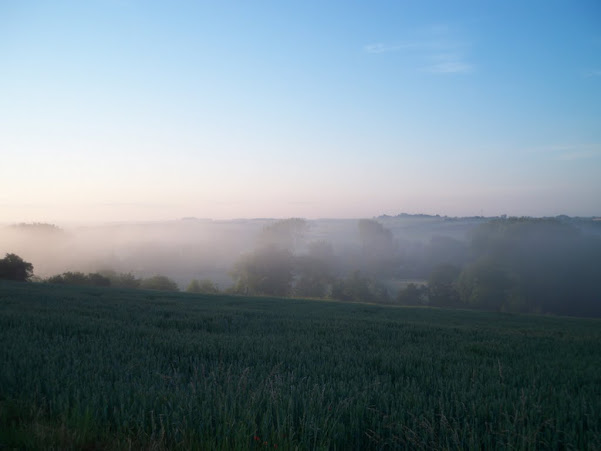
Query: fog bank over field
[[192, 248], [530, 265], [200, 248]]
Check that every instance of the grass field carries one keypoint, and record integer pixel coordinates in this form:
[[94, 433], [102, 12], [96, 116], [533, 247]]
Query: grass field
[[92, 368]]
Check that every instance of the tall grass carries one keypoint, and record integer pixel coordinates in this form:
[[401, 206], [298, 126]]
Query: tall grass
[[117, 369]]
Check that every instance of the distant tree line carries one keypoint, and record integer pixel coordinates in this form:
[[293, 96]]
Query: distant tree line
[[507, 264], [519, 265], [110, 278]]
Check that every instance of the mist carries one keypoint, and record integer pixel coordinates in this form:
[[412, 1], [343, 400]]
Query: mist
[[191, 248], [473, 262]]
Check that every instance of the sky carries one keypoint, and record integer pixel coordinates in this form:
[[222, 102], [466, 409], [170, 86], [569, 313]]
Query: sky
[[122, 110]]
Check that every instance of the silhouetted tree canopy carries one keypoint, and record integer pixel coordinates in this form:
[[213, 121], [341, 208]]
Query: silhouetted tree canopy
[[79, 278], [13, 267]]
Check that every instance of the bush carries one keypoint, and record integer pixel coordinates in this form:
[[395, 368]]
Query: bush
[[121, 280], [79, 278], [13, 267], [357, 288], [413, 294], [204, 286], [158, 282], [98, 280]]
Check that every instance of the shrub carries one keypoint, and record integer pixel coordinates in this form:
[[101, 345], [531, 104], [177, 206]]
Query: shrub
[[13, 267], [159, 282]]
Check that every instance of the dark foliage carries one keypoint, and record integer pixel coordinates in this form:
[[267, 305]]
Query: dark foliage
[[532, 265], [79, 278], [204, 286], [160, 283], [413, 294], [121, 280], [314, 271], [359, 288], [266, 271], [442, 285], [13, 267]]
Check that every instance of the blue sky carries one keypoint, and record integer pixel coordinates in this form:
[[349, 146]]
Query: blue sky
[[140, 110]]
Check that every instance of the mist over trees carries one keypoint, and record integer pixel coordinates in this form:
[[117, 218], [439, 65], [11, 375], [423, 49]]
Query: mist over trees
[[506, 264], [120, 280], [315, 270], [204, 286], [544, 265], [533, 265], [379, 252]]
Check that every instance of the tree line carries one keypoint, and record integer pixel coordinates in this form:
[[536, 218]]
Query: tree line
[[507, 264], [13, 267]]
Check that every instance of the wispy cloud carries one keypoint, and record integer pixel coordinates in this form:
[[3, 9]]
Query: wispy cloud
[[593, 73], [578, 155], [449, 64], [570, 152], [554, 148], [434, 49], [380, 48]]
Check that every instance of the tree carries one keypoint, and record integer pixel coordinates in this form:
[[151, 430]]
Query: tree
[[485, 284], [445, 249], [374, 236], [315, 270], [98, 280], [13, 267], [160, 283], [442, 285], [79, 278], [284, 234], [204, 286], [357, 288], [412, 294], [70, 278], [378, 249], [265, 271], [120, 280], [535, 265]]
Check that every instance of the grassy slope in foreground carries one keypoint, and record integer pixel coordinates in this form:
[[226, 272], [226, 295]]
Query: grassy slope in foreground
[[110, 369]]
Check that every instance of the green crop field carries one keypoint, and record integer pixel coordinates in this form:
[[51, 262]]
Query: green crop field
[[93, 368]]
